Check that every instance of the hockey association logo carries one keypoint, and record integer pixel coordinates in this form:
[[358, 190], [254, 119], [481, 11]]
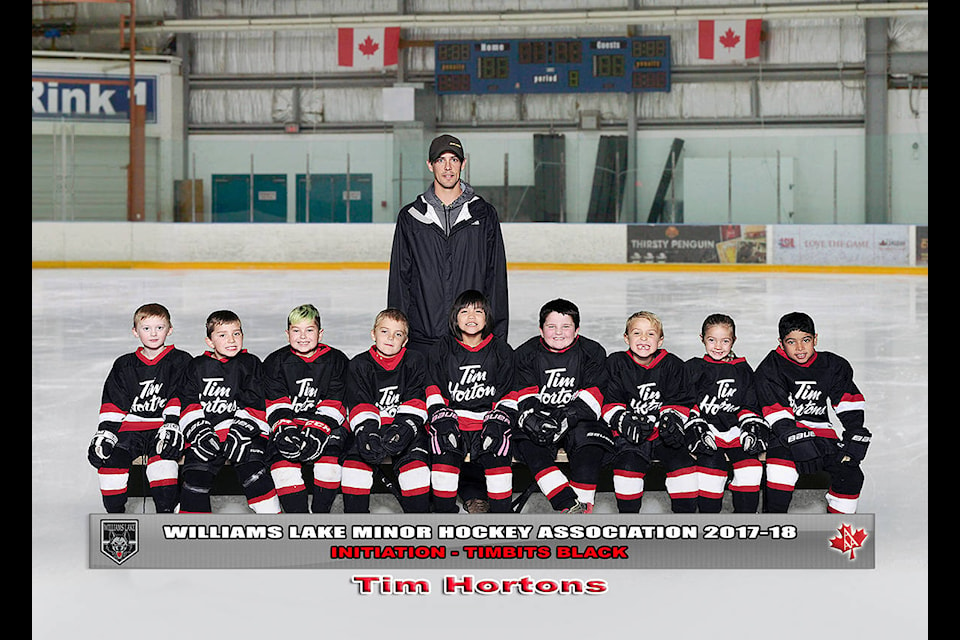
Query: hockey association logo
[[119, 539]]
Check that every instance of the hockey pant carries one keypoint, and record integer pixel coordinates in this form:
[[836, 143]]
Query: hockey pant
[[450, 474], [712, 476], [162, 475], [846, 479], [586, 444], [292, 490], [411, 470], [631, 463], [252, 472]]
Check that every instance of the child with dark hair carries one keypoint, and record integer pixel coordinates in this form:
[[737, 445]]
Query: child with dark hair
[[797, 387], [725, 427], [472, 409]]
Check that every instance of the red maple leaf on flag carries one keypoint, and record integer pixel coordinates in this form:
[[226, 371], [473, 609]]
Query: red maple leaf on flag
[[848, 540], [368, 47], [729, 39]]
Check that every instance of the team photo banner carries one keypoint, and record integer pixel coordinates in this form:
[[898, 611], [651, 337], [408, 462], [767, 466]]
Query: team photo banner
[[508, 541]]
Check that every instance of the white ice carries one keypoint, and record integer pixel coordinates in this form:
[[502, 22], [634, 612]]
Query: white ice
[[81, 323]]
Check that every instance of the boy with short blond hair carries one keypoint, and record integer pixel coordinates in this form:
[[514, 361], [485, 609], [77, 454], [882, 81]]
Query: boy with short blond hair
[[139, 412]]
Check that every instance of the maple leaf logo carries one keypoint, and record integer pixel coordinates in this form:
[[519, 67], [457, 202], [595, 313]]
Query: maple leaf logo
[[847, 540], [368, 47], [729, 39]]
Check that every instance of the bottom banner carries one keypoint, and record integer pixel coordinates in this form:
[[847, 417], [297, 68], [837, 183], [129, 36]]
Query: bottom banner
[[508, 541]]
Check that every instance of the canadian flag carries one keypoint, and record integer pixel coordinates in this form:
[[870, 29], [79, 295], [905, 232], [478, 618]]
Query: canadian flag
[[729, 40], [368, 48]]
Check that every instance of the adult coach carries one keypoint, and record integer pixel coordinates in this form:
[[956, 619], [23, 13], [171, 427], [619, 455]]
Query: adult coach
[[445, 242]]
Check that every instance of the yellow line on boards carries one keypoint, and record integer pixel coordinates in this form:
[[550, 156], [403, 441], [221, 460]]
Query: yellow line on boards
[[516, 266]]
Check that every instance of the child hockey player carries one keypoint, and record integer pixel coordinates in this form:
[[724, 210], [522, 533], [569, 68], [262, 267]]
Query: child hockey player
[[797, 385], [472, 408], [559, 375], [647, 402], [725, 425], [138, 415], [223, 419], [304, 383], [385, 396]]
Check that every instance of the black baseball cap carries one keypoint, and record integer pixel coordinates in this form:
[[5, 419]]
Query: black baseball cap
[[443, 144]]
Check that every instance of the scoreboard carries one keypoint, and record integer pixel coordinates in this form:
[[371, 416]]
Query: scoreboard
[[570, 65]]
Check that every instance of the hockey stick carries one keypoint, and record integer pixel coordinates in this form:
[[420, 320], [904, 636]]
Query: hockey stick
[[516, 506], [388, 483]]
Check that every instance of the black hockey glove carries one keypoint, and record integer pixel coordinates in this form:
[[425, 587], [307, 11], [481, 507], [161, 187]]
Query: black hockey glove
[[670, 428], [168, 442], [369, 444], [634, 427], [698, 437], [545, 425], [444, 431], [802, 443], [320, 439], [399, 434], [101, 447], [754, 435], [287, 438], [203, 440], [240, 439], [854, 445], [494, 436]]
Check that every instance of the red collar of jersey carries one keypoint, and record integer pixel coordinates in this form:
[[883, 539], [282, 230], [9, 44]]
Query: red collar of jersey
[[144, 359], [733, 360], [658, 355], [218, 358], [320, 350], [569, 346], [387, 362], [809, 362], [480, 346]]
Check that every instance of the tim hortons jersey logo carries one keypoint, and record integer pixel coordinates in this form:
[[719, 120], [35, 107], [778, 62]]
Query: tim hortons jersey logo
[[149, 399], [807, 400], [647, 400], [215, 398], [558, 389], [305, 397], [472, 385], [389, 401], [119, 539], [719, 402]]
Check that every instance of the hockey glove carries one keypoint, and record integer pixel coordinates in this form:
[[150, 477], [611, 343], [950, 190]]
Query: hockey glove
[[287, 438], [633, 427], [754, 435], [854, 445], [698, 437], [203, 440], [670, 427], [494, 436], [240, 439], [444, 431], [802, 443], [399, 434], [101, 447], [313, 439], [369, 444], [545, 426], [169, 441]]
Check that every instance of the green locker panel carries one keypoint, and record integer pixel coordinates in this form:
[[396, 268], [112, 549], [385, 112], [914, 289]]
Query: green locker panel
[[335, 197], [232, 199]]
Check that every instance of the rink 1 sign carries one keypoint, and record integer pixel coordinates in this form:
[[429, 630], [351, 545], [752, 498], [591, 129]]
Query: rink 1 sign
[[101, 98], [507, 541]]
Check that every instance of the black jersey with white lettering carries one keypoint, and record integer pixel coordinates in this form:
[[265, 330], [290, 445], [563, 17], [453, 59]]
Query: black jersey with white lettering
[[381, 388], [302, 388], [723, 391], [471, 380], [139, 393], [573, 377], [220, 389], [646, 389]]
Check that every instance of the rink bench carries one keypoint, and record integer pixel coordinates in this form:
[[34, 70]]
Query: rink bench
[[225, 484]]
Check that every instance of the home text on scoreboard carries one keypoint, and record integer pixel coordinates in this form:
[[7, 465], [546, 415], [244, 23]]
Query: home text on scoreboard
[[569, 65]]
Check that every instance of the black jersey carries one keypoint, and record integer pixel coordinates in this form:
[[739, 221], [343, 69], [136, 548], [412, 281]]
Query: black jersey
[[573, 377], [140, 394], [382, 388], [220, 389], [646, 389], [723, 391], [791, 393], [471, 380], [302, 388]]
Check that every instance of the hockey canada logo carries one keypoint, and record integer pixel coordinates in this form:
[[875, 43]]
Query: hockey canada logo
[[847, 540], [119, 539]]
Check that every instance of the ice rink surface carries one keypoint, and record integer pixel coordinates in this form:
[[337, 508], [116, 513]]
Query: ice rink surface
[[81, 323]]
